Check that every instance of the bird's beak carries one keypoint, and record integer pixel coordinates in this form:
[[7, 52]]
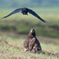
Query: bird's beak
[[32, 30]]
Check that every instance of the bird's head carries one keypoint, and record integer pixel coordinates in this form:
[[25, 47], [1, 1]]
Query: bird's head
[[32, 30], [32, 33]]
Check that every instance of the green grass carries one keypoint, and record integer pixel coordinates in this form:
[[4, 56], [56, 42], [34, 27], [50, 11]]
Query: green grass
[[11, 47], [22, 24], [14, 30]]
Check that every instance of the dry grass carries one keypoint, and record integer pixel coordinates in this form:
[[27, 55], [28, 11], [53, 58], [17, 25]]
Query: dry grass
[[11, 47], [11, 43]]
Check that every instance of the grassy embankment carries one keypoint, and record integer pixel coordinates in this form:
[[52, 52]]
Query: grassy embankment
[[11, 47]]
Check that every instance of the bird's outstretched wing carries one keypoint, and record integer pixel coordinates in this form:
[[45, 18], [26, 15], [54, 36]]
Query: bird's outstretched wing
[[15, 11], [33, 13]]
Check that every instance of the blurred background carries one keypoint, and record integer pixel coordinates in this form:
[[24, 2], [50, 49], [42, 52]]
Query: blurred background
[[47, 9], [17, 26]]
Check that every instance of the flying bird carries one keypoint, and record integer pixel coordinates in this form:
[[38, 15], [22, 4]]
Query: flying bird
[[25, 11]]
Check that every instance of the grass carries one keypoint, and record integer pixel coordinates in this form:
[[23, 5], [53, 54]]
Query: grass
[[14, 30], [11, 47], [22, 24]]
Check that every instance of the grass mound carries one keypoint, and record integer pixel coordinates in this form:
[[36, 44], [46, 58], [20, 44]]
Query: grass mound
[[12, 48]]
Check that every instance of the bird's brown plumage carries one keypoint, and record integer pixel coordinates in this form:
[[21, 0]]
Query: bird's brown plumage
[[31, 43]]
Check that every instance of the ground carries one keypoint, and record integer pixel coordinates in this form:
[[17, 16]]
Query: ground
[[14, 30], [11, 47]]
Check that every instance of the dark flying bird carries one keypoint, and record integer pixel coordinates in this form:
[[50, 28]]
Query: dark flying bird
[[24, 11]]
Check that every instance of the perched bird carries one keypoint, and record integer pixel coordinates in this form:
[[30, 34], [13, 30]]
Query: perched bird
[[31, 43], [25, 11]]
